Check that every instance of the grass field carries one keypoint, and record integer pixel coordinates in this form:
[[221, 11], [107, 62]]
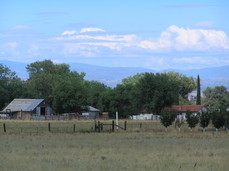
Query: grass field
[[147, 148]]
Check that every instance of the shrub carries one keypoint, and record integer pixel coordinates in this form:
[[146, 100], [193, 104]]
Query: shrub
[[167, 118], [218, 119], [204, 119], [226, 119], [192, 120]]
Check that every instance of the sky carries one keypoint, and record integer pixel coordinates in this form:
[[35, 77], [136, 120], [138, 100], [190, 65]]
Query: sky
[[156, 34]]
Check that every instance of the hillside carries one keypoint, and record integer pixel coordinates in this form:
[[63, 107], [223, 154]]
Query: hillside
[[112, 76]]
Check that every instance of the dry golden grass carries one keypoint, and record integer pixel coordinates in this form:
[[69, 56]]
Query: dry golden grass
[[148, 148], [114, 151]]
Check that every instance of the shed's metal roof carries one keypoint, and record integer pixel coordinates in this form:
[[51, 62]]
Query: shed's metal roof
[[23, 104], [89, 109], [92, 109]]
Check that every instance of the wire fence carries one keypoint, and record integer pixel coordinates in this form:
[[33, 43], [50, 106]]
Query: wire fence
[[89, 126]]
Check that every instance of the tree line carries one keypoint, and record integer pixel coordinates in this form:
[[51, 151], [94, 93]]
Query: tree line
[[67, 91]]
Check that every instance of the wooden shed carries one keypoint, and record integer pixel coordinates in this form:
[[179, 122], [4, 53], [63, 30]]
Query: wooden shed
[[27, 108]]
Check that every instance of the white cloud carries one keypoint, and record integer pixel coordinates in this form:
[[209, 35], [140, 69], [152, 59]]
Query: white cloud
[[68, 32], [107, 37], [173, 38], [188, 39], [83, 30], [92, 29], [169, 46]]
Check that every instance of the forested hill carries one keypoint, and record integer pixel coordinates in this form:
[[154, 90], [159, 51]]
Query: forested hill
[[111, 76]]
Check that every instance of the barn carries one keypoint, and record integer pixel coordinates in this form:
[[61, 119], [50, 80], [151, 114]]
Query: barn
[[27, 108]]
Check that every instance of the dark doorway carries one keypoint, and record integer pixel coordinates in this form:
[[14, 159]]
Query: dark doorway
[[42, 110]]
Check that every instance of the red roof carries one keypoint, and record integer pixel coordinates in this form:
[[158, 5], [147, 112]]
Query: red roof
[[184, 108]]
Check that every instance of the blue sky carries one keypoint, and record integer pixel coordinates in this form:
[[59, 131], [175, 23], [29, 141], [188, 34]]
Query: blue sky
[[131, 33]]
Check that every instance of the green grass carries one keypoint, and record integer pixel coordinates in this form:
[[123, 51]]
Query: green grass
[[114, 151], [27, 145]]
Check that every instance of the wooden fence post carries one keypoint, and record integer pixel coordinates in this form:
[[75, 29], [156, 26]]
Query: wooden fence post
[[4, 127], [125, 125], [113, 125], [99, 126], [74, 128], [95, 126], [49, 126], [140, 125]]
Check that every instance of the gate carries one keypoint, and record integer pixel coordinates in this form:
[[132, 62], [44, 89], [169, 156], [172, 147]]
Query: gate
[[99, 126]]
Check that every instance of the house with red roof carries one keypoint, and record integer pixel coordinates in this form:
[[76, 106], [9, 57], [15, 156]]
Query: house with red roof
[[182, 109]]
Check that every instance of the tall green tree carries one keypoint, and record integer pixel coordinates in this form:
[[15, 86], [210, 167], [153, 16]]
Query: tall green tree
[[125, 100], [198, 97], [10, 86], [156, 91], [133, 80], [94, 89], [217, 98], [107, 103], [186, 84], [68, 96], [45, 75]]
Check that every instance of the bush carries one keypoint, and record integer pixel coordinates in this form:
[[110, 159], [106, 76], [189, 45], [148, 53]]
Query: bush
[[218, 119], [226, 119], [167, 118], [192, 119], [204, 119]]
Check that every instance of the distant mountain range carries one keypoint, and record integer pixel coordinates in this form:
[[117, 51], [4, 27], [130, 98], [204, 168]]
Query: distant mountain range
[[111, 76]]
